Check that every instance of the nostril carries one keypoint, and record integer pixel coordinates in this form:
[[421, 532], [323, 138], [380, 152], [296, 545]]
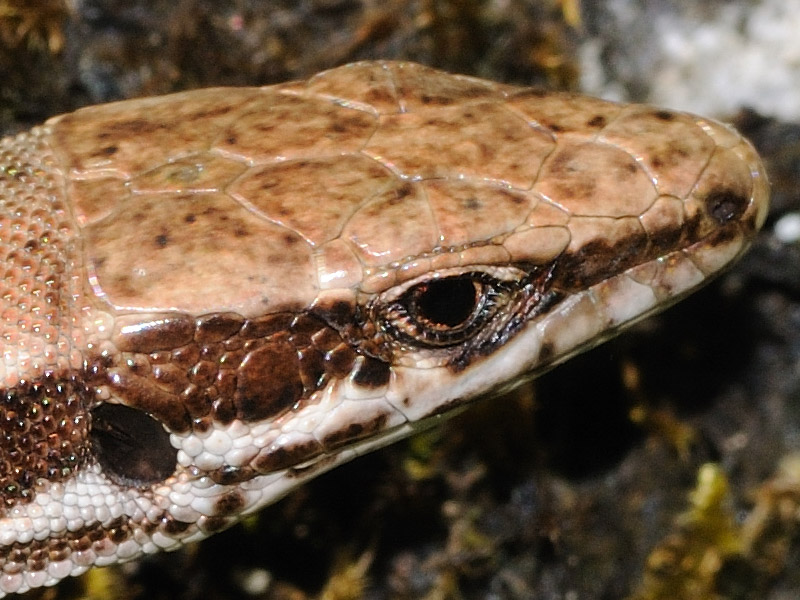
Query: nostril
[[725, 205], [132, 447]]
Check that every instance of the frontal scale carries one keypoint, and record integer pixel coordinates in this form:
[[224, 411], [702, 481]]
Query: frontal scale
[[213, 296]]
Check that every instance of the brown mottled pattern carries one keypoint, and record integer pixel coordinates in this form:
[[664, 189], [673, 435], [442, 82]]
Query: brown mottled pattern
[[45, 435], [220, 367], [210, 297]]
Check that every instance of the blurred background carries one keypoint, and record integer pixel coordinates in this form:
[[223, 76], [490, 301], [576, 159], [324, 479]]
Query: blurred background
[[665, 464]]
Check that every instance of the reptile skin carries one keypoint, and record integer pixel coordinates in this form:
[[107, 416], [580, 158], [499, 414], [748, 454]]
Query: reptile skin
[[211, 297]]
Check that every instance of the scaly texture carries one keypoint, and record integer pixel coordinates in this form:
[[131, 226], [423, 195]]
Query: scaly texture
[[213, 296]]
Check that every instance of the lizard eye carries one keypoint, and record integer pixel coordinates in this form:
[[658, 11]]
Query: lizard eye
[[445, 303], [443, 312]]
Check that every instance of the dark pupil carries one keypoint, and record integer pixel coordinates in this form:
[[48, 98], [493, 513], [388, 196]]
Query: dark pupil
[[447, 302]]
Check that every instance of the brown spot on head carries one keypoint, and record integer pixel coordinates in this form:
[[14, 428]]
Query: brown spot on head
[[598, 121], [664, 115], [284, 457], [173, 527], [162, 240], [338, 313], [213, 524], [223, 410], [725, 205], [354, 432], [568, 170], [201, 424], [229, 475], [372, 373], [217, 327], [119, 530], [546, 353], [268, 381], [435, 100], [133, 127], [471, 203], [339, 360], [403, 191], [82, 544], [229, 504]]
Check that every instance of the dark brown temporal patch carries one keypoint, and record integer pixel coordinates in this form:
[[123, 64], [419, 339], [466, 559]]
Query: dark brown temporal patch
[[665, 239], [268, 381], [44, 433], [598, 260], [132, 448]]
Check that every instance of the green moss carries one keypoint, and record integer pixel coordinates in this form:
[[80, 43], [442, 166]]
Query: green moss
[[685, 565]]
